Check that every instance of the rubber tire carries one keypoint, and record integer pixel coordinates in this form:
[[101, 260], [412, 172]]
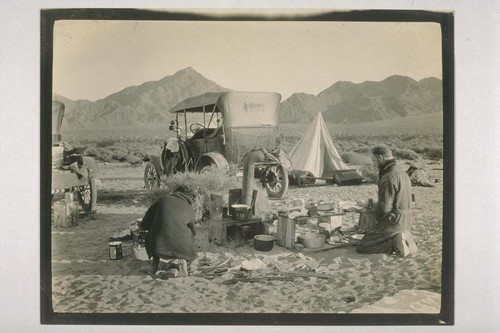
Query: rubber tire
[[284, 183], [87, 197], [151, 176]]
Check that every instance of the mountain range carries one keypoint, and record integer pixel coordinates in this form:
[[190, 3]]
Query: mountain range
[[343, 102], [347, 102]]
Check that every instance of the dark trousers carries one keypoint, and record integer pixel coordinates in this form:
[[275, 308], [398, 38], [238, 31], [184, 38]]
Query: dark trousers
[[380, 239]]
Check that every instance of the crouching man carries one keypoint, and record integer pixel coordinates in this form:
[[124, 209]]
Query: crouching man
[[393, 212], [171, 230]]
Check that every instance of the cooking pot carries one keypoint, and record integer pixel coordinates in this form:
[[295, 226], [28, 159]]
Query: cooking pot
[[263, 243], [312, 240], [242, 212]]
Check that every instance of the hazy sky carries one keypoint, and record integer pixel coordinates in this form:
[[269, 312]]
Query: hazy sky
[[93, 59]]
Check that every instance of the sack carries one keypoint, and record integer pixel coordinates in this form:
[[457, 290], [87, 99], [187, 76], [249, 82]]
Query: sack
[[418, 177]]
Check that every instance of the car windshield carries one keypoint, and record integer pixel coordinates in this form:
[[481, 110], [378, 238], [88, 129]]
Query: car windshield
[[196, 120]]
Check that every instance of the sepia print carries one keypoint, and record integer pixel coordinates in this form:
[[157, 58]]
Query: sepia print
[[268, 167]]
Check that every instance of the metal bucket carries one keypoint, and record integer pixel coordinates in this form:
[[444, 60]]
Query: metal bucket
[[115, 250], [263, 243], [242, 213]]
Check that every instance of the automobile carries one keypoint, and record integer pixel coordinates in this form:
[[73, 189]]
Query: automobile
[[72, 171], [216, 129]]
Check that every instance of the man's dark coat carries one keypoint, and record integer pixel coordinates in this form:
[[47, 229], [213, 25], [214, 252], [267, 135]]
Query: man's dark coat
[[393, 209], [170, 224]]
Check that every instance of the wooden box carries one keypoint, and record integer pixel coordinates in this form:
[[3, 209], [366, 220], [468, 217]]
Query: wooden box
[[286, 232], [334, 220], [226, 229], [347, 177], [218, 230], [65, 212], [217, 203]]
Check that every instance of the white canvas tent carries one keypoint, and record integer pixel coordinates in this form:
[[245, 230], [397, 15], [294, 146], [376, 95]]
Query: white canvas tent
[[315, 151]]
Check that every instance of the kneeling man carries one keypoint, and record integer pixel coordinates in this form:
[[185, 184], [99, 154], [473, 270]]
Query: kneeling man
[[171, 231], [393, 211]]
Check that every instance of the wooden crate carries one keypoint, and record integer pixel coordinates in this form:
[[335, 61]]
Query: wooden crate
[[217, 203], [347, 177], [65, 212], [334, 220], [286, 232], [219, 232]]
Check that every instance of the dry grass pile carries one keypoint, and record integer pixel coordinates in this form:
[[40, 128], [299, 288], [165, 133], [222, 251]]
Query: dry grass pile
[[202, 185]]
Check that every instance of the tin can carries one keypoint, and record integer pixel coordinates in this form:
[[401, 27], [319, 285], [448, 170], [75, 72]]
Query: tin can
[[115, 250]]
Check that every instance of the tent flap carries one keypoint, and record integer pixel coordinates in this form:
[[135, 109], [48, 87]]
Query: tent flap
[[315, 151]]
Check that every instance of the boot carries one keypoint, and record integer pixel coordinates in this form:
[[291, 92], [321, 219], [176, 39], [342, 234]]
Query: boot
[[404, 244], [150, 268], [400, 245], [411, 243]]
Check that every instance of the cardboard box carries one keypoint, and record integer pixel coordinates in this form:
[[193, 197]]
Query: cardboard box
[[334, 220]]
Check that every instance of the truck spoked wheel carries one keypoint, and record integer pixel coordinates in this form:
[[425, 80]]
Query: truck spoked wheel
[[277, 181], [151, 177]]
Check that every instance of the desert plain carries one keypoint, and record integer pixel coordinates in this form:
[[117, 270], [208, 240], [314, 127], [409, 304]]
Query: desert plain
[[337, 281]]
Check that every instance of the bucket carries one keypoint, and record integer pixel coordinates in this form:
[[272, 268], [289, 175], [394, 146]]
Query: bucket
[[263, 243], [312, 240], [242, 213], [115, 250]]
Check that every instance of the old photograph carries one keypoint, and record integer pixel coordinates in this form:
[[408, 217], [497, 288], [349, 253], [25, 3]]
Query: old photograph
[[271, 167]]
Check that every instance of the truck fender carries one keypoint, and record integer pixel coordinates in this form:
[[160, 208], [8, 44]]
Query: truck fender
[[212, 159], [155, 160]]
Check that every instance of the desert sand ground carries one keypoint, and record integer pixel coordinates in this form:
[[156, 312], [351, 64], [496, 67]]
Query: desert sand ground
[[84, 280]]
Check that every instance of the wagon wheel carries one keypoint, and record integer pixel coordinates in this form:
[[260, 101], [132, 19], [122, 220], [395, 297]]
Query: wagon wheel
[[87, 196], [277, 181], [151, 177]]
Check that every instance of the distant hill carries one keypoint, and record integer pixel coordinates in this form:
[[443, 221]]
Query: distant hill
[[342, 103], [137, 105], [347, 102]]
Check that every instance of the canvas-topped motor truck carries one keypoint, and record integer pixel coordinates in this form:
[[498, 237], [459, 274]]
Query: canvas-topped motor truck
[[72, 172], [218, 128]]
